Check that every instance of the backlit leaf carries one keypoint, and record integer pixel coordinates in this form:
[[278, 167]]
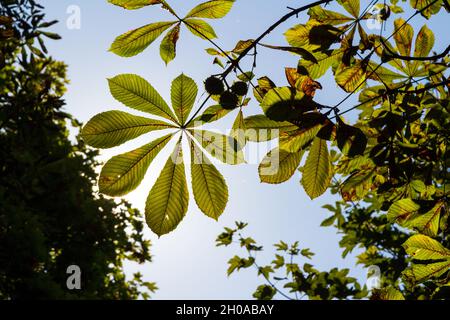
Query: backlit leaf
[[135, 41], [279, 166], [208, 185], [318, 171], [214, 9], [123, 173], [168, 48], [183, 92], [168, 200], [112, 128], [135, 92]]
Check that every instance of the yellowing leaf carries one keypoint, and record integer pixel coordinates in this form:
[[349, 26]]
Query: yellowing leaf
[[403, 35], [168, 200], [318, 171], [135, 41], [168, 48], [328, 16], [222, 147], [259, 128], [352, 7], [352, 78]]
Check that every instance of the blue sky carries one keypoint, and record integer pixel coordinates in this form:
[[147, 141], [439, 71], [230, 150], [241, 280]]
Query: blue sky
[[187, 265]]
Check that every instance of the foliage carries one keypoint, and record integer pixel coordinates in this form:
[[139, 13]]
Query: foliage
[[284, 273], [50, 217], [390, 167]]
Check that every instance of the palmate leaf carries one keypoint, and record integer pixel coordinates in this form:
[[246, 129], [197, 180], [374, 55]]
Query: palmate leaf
[[279, 166], [214, 9], [168, 200], [208, 185], [423, 46], [123, 173], [200, 28], [222, 147], [183, 94], [135, 41], [318, 171], [168, 47], [135, 92], [112, 128]]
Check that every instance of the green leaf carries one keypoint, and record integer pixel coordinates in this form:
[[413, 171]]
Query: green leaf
[[135, 41], [327, 16], [168, 200], [208, 185], [279, 166], [224, 148], [123, 173], [135, 92], [200, 28], [317, 172], [168, 48], [259, 128], [214, 9], [112, 128], [421, 247], [183, 92]]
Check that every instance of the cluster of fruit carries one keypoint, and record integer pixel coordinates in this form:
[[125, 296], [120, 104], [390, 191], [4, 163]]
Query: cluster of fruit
[[229, 99]]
